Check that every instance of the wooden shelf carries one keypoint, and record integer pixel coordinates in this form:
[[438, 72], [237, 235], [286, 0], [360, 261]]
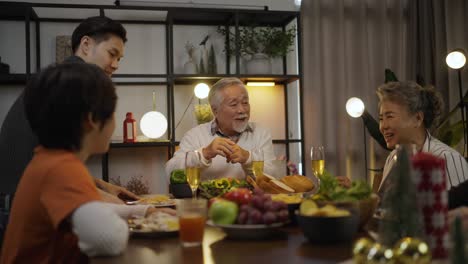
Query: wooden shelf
[[170, 18], [277, 78], [212, 16]]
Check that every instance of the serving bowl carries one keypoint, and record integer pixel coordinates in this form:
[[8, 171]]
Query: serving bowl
[[326, 229], [367, 208], [364, 208], [180, 190]]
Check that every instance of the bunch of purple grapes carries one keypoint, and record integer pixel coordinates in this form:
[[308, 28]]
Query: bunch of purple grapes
[[262, 210]]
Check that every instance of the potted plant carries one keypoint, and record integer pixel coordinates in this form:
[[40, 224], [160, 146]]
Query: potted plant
[[260, 44]]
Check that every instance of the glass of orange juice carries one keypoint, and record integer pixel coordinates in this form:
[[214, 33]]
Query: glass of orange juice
[[192, 218]]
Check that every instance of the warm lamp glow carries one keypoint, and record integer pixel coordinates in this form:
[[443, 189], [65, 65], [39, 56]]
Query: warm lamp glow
[[201, 90], [153, 124], [456, 59], [260, 84], [355, 107]]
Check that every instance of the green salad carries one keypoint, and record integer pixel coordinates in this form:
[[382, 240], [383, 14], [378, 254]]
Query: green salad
[[331, 190], [218, 187], [178, 177]]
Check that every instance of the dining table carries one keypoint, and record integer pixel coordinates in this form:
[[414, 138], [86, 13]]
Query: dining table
[[285, 245]]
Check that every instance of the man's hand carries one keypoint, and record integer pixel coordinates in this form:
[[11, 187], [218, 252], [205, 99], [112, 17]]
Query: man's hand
[[344, 181], [152, 210], [238, 155], [115, 190], [109, 198], [219, 146]]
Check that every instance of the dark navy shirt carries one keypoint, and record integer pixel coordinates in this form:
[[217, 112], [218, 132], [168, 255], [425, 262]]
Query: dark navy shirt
[[17, 142]]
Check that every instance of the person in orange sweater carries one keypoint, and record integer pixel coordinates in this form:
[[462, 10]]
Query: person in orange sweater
[[57, 214]]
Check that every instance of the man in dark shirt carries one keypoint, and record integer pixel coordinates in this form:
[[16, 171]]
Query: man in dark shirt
[[96, 40]]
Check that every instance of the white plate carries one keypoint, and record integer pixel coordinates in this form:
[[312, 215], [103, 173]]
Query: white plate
[[170, 202], [249, 231], [153, 233]]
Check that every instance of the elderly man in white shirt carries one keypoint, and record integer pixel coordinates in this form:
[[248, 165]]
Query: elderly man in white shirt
[[225, 144]]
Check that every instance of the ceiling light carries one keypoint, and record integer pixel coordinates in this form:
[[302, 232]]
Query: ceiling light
[[260, 84]]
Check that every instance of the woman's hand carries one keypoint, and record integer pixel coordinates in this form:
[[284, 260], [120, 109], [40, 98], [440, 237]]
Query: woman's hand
[[462, 212]]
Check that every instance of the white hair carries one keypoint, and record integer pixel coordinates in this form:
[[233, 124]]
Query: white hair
[[215, 97]]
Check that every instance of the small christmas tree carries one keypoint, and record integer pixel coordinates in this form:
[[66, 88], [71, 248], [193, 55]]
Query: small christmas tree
[[401, 215], [458, 252]]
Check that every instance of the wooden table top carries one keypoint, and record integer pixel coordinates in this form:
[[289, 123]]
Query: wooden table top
[[289, 246]]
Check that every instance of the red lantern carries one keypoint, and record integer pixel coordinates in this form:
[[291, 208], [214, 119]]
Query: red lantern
[[129, 128]]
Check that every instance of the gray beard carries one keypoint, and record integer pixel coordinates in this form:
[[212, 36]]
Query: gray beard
[[239, 128]]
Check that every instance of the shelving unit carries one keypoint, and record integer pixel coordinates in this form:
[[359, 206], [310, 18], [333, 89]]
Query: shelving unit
[[175, 16]]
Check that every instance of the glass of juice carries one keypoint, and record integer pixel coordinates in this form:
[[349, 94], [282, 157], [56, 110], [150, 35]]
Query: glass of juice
[[257, 162], [317, 155], [192, 218], [192, 170]]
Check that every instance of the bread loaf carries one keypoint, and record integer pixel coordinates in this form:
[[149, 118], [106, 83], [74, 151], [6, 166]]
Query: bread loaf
[[267, 187], [280, 187], [298, 182], [271, 185], [252, 182]]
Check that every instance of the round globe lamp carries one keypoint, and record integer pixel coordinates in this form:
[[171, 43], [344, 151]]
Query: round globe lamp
[[456, 59], [201, 90], [355, 107], [153, 124]]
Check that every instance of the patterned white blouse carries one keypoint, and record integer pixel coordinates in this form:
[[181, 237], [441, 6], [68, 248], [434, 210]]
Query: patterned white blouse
[[455, 164]]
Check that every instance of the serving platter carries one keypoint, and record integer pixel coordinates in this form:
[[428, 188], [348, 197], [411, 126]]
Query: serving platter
[[149, 233], [157, 225], [249, 232], [156, 200]]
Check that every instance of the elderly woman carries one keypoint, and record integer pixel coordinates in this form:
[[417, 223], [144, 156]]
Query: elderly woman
[[407, 113]]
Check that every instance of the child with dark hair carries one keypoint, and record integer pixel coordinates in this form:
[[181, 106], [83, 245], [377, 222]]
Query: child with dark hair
[[57, 214]]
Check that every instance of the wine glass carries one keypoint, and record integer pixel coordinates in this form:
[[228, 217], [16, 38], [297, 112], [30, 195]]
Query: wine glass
[[317, 155], [257, 162], [192, 170]]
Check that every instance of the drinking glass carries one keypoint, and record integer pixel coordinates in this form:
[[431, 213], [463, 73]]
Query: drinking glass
[[257, 162], [192, 170], [317, 156], [192, 218]]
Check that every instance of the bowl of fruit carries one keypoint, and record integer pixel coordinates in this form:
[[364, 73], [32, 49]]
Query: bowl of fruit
[[242, 214], [293, 200], [359, 192], [328, 224]]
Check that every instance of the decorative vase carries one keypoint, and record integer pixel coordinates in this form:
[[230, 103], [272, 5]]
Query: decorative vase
[[259, 64], [190, 67]]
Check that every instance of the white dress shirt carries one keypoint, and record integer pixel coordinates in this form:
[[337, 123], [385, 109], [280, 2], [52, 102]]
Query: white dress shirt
[[201, 136], [456, 166]]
